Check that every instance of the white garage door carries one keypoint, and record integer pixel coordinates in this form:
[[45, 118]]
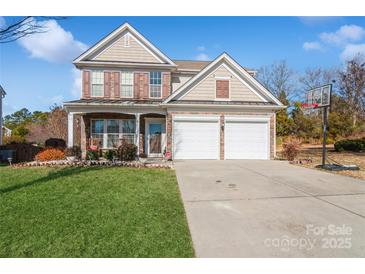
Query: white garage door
[[196, 139], [246, 140]]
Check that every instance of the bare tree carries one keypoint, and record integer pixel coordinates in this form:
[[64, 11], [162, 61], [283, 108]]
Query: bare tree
[[315, 77], [278, 78], [22, 27], [57, 122], [38, 133], [352, 87]]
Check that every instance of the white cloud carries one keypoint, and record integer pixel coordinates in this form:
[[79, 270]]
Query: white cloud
[[312, 46], [202, 57], [345, 34], [55, 45], [317, 20], [201, 48], [352, 50], [2, 22], [76, 83]]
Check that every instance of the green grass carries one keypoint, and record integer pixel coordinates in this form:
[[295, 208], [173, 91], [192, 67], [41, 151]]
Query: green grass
[[91, 212]]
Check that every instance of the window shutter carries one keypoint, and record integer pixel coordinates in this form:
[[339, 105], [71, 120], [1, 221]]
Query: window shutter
[[146, 85], [107, 84], [222, 89], [136, 87], [85, 84], [116, 84], [166, 82]]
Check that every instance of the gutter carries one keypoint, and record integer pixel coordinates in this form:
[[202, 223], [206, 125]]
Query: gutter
[[164, 105], [225, 106], [113, 64]]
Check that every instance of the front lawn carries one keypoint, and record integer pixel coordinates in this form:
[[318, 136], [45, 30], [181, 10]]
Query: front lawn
[[91, 212]]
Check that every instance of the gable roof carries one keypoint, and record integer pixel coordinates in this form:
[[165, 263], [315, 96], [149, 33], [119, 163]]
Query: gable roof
[[191, 65], [196, 66], [114, 34], [224, 57]]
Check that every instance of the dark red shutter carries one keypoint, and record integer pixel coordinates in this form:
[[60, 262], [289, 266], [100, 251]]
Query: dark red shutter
[[85, 84]]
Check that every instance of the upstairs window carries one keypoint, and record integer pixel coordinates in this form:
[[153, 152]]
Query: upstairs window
[[155, 84], [222, 89], [97, 84], [126, 84]]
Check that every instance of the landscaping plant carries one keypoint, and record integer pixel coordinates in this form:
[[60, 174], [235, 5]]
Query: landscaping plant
[[350, 145], [92, 155], [50, 154], [127, 151], [291, 149], [110, 154], [73, 151]]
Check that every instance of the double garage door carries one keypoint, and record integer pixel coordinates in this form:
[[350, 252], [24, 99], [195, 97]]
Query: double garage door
[[199, 138]]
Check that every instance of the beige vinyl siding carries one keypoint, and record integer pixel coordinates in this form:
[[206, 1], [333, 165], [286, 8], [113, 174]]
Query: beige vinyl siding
[[133, 53], [179, 79], [205, 90]]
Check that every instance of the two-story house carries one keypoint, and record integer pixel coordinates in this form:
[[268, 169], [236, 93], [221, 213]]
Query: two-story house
[[190, 109]]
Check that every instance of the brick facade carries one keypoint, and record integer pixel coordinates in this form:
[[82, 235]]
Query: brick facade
[[82, 128], [221, 141], [273, 136]]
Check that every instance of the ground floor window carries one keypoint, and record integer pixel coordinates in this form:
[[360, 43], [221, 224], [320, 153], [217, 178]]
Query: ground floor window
[[109, 133]]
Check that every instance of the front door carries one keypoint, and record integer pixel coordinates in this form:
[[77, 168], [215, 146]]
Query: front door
[[155, 139]]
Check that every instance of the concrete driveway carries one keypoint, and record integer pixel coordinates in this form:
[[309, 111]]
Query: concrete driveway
[[250, 208]]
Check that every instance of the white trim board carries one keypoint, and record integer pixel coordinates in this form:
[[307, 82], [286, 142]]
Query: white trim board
[[148, 121]]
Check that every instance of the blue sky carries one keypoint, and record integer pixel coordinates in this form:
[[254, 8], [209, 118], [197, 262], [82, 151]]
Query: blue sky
[[37, 71]]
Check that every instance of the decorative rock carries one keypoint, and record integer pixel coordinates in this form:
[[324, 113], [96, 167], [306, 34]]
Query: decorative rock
[[84, 163]]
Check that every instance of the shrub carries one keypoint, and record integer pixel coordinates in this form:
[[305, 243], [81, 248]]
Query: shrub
[[109, 154], [92, 155], [350, 145], [13, 139], [55, 142], [127, 152], [291, 149], [50, 154], [73, 151]]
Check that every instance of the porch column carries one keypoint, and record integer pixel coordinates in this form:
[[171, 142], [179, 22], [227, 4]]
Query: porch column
[[137, 115], [70, 129]]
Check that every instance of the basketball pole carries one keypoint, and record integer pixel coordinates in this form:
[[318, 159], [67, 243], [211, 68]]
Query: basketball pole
[[324, 136]]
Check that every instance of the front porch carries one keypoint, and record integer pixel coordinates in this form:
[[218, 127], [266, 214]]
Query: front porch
[[107, 130]]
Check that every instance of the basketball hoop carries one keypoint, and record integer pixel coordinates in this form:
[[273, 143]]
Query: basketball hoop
[[318, 97], [314, 100], [309, 106]]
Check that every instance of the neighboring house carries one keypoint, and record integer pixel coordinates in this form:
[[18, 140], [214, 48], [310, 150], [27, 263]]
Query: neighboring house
[[6, 132], [191, 109], [2, 95]]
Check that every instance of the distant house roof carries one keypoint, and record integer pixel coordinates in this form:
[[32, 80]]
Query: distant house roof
[[192, 65], [2, 91]]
